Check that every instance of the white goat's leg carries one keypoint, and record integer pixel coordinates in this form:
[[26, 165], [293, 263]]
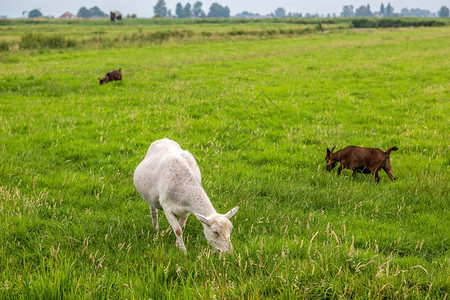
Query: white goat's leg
[[182, 222], [155, 218], [176, 229]]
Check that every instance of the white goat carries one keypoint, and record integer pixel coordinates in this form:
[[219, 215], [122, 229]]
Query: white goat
[[169, 179]]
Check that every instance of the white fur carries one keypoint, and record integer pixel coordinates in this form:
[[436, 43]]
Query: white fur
[[169, 179]]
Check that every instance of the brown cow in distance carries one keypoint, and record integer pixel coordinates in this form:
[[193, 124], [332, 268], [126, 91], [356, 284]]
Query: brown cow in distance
[[111, 76], [360, 159]]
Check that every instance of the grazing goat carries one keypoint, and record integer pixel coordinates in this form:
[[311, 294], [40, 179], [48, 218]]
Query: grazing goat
[[363, 160], [169, 179], [111, 76]]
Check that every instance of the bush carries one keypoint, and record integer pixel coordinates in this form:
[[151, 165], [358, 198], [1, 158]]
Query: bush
[[4, 46], [394, 23], [388, 23], [38, 41], [363, 23]]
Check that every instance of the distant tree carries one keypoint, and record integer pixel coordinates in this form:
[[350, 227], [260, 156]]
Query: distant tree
[[389, 11], [294, 15], [218, 11], [246, 14], [179, 10], [347, 11], [444, 12], [363, 11], [405, 12], [382, 10], [35, 13], [183, 12], [187, 10], [422, 13], [83, 13], [91, 12], [280, 12], [95, 11], [197, 10], [416, 12], [160, 9], [309, 15]]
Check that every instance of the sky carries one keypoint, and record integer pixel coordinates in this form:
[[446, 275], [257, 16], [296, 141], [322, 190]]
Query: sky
[[144, 8]]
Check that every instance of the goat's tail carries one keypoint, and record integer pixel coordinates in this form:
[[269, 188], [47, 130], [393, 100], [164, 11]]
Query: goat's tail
[[388, 153]]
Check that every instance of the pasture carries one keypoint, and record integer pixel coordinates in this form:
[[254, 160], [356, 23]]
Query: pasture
[[257, 112]]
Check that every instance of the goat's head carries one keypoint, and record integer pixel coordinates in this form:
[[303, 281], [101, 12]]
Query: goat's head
[[217, 230], [102, 80], [331, 162]]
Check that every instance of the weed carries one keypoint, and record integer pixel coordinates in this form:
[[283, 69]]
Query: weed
[[4, 46]]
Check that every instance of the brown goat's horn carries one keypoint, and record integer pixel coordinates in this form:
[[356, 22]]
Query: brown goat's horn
[[332, 149]]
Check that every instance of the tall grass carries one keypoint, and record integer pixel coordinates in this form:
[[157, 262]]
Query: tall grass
[[59, 34], [4, 46], [39, 41]]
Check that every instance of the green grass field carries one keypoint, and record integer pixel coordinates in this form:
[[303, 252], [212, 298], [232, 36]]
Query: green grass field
[[258, 114]]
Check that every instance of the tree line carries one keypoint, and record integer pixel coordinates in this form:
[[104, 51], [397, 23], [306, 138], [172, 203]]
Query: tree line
[[191, 11], [218, 11], [83, 12], [349, 11]]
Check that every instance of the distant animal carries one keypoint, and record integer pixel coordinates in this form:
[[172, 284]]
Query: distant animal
[[114, 15], [362, 160], [111, 76], [169, 179]]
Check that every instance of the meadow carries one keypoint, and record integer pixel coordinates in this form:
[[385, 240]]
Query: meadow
[[258, 112]]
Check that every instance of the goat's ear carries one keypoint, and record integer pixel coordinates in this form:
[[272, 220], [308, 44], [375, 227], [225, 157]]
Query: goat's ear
[[232, 212], [203, 219], [328, 151]]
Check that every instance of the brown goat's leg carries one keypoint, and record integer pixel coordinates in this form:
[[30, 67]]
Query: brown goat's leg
[[377, 177], [354, 173], [388, 169], [340, 169]]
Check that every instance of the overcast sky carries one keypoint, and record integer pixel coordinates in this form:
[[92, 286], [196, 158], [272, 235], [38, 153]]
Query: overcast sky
[[144, 8]]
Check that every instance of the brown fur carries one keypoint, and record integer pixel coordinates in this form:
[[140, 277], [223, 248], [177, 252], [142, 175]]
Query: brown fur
[[111, 76], [363, 160]]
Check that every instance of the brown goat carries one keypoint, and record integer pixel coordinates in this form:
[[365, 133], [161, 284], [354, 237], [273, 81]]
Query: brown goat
[[359, 159], [111, 76]]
